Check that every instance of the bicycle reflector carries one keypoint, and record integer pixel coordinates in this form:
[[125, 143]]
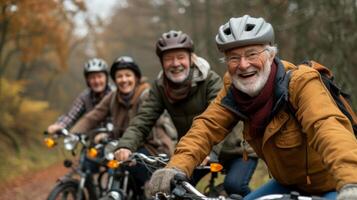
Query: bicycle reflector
[[49, 142], [215, 167], [112, 164], [92, 152]]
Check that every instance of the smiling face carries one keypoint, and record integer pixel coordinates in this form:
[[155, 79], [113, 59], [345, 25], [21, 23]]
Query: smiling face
[[249, 68], [125, 80], [97, 81], [176, 65]]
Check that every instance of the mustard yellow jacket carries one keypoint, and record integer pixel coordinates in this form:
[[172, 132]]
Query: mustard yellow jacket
[[318, 142]]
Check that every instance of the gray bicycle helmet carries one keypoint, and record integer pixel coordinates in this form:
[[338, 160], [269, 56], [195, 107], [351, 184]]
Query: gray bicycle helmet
[[173, 40], [95, 65], [243, 31]]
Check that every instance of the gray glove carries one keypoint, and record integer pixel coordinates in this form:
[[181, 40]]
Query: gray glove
[[160, 181], [348, 192]]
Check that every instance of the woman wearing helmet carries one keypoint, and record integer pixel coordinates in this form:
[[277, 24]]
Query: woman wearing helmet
[[122, 105], [96, 76]]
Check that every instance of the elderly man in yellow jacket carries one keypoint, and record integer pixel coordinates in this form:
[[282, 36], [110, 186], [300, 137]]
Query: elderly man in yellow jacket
[[312, 151]]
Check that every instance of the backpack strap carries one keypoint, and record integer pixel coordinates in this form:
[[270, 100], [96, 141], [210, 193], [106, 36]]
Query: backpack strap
[[286, 82], [341, 98]]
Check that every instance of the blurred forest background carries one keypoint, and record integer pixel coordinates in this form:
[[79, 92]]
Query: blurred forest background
[[42, 51]]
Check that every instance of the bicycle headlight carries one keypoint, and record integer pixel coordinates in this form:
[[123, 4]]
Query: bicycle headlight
[[70, 142], [112, 164], [109, 149], [49, 142], [92, 153], [109, 156], [216, 167]]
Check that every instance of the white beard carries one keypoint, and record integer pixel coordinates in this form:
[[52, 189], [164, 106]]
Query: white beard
[[252, 87], [178, 79]]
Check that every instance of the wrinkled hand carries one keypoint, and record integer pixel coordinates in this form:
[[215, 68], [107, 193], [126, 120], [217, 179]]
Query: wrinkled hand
[[122, 154], [53, 128], [348, 192], [99, 137], [160, 181]]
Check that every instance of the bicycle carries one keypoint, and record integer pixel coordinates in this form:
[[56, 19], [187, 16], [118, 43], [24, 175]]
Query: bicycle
[[121, 185], [79, 182], [183, 190]]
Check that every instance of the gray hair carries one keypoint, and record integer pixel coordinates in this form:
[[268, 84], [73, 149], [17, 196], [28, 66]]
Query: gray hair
[[272, 49]]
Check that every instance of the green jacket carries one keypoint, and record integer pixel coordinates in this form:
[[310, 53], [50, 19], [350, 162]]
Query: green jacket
[[206, 84]]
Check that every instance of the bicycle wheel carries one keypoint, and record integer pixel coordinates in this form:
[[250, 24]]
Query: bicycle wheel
[[67, 191]]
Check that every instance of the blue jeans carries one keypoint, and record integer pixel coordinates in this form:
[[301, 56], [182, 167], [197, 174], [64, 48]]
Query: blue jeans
[[273, 187], [238, 174]]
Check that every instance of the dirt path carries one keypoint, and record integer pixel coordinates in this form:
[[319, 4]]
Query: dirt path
[[32, 186]]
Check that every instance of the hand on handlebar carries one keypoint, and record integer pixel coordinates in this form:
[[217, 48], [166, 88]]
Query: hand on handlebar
[[160, 181], [122, 154], [100, 137], [54, 128]]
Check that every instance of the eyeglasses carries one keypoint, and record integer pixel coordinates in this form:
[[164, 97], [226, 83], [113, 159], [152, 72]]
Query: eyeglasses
[[125, 59], [250, 57]]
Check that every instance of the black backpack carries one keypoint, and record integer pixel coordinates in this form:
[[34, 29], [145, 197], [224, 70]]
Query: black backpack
[[341, 98]]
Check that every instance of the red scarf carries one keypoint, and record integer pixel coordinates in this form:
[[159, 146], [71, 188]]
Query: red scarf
[[258, 108]]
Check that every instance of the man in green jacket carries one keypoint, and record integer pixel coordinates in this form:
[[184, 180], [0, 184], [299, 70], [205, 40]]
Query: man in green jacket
[[185, 87]]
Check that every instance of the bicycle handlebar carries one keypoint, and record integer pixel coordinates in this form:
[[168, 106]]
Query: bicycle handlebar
[[291, 196], [184, 190]]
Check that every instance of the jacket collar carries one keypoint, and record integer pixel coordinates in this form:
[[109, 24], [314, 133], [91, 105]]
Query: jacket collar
[[95, 98], [281, 87], [136, 96]]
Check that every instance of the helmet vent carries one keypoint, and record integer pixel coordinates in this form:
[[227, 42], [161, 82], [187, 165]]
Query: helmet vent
[[175, 35], [161, 43], [184, 40], [227, 31], [168, 36], [249, 27]]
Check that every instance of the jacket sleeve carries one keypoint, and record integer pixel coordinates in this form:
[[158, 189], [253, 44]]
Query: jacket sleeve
[[328, 131], [76, 111], [91, 119], [141, 125], [207, 129]]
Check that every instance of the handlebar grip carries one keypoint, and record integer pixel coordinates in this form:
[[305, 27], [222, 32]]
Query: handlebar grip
[[180, 177]]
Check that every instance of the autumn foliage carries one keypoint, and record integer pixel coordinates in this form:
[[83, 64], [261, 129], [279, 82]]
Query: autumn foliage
[[35, 36]]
